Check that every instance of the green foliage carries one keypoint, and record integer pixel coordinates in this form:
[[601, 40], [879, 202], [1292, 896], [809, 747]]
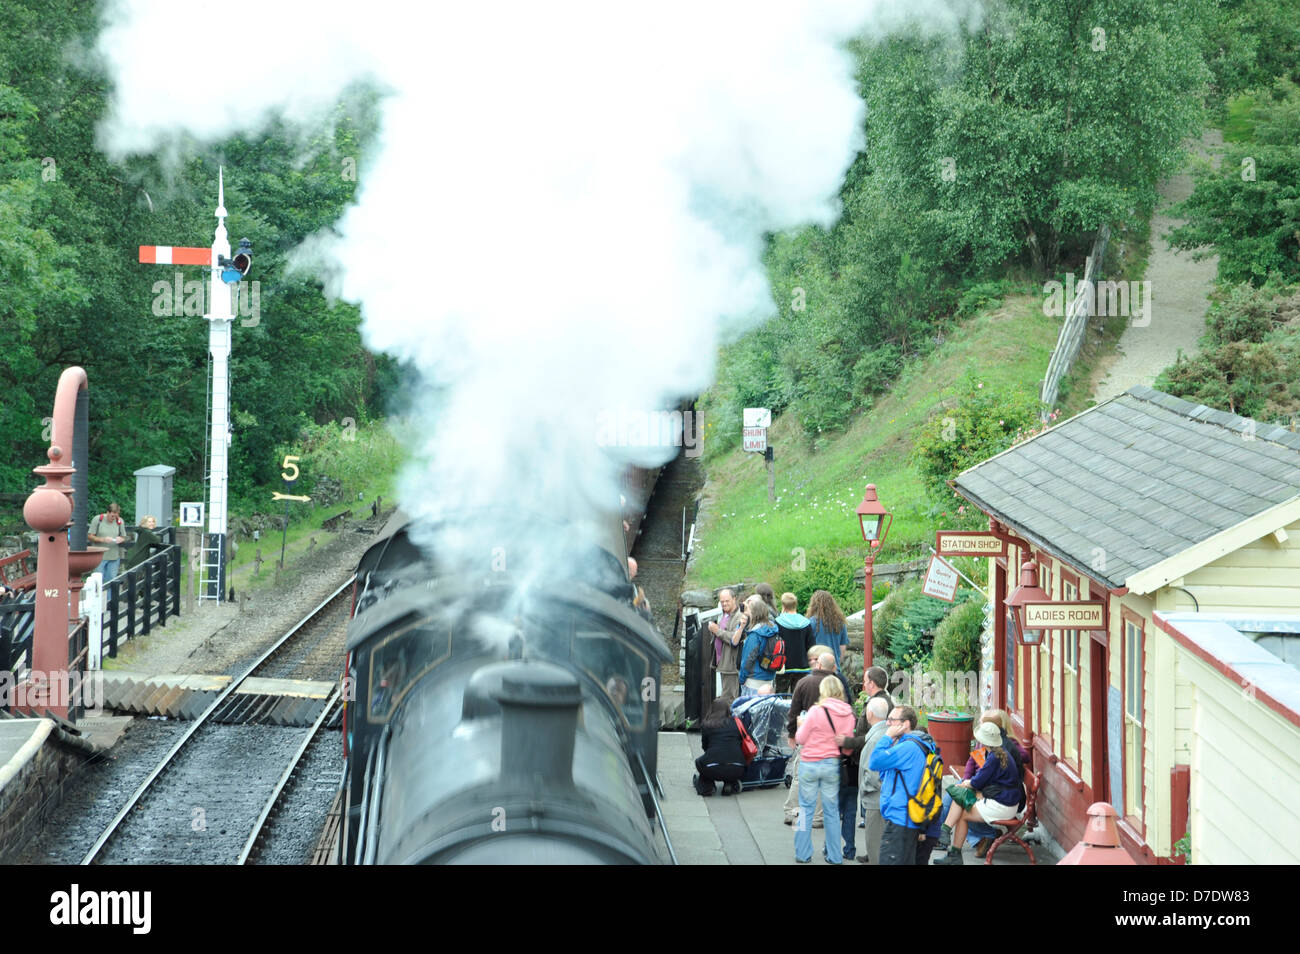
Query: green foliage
[[1183, 846], [1249, 363], [1250, 42], [1008, 143], [826, 571], [1246, 210], [957, 639], [980, 423], [344, 458], [1019, 140], [904, 628], [75, 294]]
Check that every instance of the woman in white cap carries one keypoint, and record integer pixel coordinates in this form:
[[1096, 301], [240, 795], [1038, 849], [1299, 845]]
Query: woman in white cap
[[994, 793]]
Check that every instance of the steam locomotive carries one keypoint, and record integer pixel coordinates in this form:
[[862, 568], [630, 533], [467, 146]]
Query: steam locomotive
[[500, 716]]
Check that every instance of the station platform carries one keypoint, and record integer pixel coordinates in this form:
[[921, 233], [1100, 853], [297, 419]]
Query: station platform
[[749, 828], [34, 754]]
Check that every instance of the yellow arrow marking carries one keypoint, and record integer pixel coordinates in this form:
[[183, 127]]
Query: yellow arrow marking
[[276, 495]]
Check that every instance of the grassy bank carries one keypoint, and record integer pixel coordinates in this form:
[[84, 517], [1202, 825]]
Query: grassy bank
[[746, 536], [358, 466]]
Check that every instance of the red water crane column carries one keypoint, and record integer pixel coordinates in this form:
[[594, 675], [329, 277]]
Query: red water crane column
[[49, 511]]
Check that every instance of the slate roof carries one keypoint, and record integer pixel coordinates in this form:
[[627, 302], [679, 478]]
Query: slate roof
[[1143, 477]]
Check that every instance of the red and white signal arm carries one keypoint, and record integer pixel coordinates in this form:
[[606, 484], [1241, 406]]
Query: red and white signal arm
[[174, 255]]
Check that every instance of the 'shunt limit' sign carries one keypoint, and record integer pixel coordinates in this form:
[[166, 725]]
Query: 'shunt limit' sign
[[1079, 614], [755, 439]]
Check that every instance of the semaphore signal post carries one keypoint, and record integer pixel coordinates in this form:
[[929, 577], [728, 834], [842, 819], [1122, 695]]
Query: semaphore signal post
[[226, 272]]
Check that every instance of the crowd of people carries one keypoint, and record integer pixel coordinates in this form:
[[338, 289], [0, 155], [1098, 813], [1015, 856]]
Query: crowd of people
[[851, 772]]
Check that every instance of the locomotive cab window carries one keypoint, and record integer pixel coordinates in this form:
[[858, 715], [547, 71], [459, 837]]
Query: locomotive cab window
[[615, 666], [400, 661]]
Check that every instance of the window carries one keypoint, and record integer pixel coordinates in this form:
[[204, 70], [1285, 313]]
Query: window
[[1133, 704], [1070, 682]]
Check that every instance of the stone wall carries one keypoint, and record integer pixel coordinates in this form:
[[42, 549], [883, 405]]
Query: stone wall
[[34, 789]]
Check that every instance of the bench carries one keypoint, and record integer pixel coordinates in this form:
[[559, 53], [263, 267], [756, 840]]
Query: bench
[[1013, 827], [16, 571]]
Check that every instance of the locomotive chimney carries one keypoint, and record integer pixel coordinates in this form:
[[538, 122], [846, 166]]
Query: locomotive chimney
[[539, 719]]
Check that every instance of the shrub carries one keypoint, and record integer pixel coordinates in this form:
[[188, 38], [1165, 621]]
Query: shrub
[[980, 423], [905, 626], [957, 640], [829, 572]]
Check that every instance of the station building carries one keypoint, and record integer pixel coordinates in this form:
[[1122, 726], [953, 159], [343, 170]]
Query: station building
[[1184, 711]]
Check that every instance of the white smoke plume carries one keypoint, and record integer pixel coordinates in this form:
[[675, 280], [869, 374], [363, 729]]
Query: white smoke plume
[[567, 207]]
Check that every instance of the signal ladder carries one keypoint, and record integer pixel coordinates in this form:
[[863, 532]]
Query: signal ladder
[[210, 547]]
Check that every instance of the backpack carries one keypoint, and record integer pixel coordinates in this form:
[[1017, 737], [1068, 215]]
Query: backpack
[[772, 656], [923, 806]]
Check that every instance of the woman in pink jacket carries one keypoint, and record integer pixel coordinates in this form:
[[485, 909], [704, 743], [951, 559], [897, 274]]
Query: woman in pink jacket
[[819, 770]]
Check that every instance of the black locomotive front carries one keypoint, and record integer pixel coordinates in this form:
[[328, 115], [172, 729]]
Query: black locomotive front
[[500, 717]]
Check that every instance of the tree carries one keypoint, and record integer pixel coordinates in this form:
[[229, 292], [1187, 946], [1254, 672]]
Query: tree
[[1248, 210], [1050, 120]]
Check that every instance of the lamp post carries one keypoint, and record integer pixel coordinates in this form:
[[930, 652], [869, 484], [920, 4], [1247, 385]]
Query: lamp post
[[875, 521]]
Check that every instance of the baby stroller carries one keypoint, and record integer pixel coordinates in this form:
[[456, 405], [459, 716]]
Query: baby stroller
[[764, 719]]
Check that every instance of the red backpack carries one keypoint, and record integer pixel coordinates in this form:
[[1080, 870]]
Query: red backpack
[[772, 657]]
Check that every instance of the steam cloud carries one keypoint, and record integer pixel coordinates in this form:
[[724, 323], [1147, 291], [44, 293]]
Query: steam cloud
[[566, 211]]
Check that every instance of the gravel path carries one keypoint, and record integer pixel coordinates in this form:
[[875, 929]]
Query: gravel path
[[1179, 287]]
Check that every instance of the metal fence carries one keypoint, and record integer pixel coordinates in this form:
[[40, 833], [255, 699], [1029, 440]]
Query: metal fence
[[1077, 313], [143, 596], [134, 602]]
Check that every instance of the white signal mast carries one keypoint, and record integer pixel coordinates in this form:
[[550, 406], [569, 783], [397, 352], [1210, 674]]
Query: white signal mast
[[225, 274]]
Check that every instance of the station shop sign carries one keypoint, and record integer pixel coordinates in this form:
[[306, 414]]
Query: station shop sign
[[976, 543]]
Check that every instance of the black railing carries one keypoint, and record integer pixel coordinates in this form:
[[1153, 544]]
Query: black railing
[[144, 595], [17, 623]]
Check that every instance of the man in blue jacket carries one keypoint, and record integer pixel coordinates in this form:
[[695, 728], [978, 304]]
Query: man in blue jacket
[[900, 760]]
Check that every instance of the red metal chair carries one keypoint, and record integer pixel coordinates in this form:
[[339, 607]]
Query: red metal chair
[[1013, 827]]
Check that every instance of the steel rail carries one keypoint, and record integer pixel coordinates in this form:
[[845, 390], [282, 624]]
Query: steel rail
[[269, 807], [162, 766]]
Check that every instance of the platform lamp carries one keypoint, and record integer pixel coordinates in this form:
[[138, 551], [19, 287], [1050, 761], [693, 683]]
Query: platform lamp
[[1027, 592], [875, 521]]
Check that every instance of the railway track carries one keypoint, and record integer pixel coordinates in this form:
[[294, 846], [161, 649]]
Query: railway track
[[209, 770]]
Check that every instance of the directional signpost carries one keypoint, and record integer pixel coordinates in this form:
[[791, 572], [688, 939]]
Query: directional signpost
[[290, 464]]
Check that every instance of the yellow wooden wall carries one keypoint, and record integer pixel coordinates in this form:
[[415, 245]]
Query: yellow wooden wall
[[1245, 760], [1262, 575]]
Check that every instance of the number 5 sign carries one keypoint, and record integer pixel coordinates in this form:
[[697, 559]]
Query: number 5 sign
[[290, 463]]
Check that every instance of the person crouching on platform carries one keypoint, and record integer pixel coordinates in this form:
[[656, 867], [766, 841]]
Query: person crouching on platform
[[723, 759]]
